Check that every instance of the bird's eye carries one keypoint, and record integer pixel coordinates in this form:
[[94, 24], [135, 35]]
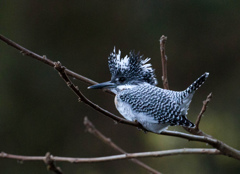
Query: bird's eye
[[121, 79]]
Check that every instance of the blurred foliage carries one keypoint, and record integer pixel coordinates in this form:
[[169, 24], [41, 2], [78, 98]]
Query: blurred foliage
[[38, 113]]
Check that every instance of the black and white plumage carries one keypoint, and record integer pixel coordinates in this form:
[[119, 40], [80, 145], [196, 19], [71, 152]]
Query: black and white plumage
[[134, 68], [138, 99]]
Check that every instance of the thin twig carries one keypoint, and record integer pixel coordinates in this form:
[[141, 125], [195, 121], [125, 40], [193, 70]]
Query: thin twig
[[195, 130], [45, 60], [163, 153], [93, 130], [204, 107], [163, 41]]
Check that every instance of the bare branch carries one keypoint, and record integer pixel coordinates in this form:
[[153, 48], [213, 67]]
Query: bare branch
[[224, 148], [44, 59], [195, 130], [93, 130], [163, 41], [116, 157], [204, 107]]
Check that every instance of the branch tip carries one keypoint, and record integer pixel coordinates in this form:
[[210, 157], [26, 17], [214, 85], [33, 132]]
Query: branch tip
[[209, 97], [204, 108], [3, 154], [163, 41]]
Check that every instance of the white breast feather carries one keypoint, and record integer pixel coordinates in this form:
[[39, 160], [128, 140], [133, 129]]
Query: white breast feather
[[146, 121]]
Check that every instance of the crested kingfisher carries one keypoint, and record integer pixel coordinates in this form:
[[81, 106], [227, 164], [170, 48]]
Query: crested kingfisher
[[139, 99]]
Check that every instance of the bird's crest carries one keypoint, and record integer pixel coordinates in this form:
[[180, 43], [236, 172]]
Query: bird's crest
[[133, 67]]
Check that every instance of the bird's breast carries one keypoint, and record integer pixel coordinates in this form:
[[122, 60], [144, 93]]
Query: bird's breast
[[124, 109]]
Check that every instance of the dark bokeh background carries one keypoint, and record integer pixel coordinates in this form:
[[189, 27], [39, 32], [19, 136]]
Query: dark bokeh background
[[38, 113]]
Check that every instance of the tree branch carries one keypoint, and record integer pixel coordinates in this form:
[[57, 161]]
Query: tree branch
[[116, 157], [44, 59], [93, 130], [195, 130], [204, 107]]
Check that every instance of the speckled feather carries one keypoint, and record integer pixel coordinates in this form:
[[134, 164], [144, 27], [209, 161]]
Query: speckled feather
[[158, 104], [133, 67]]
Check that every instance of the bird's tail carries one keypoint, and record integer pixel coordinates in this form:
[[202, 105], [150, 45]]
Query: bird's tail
[[182, 121], [186, 95], [195, 85]]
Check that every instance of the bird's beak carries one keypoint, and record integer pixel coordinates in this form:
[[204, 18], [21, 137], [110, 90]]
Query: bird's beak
[[108, 84]]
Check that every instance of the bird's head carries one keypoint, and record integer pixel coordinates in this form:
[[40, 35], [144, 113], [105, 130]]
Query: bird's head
[[127, 72]]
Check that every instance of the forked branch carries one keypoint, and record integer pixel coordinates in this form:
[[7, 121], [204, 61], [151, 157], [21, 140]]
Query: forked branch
[[204, 107], [195, 130]]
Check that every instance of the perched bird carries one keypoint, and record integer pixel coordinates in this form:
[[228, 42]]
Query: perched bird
[[139, 99]]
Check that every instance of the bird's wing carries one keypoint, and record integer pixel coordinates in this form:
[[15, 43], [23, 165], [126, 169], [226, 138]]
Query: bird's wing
[[151, 103]]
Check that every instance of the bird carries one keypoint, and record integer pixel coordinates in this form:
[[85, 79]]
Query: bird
[[138, 99]]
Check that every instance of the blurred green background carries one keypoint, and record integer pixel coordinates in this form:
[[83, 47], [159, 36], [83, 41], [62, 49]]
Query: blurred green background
[[38, 113]]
